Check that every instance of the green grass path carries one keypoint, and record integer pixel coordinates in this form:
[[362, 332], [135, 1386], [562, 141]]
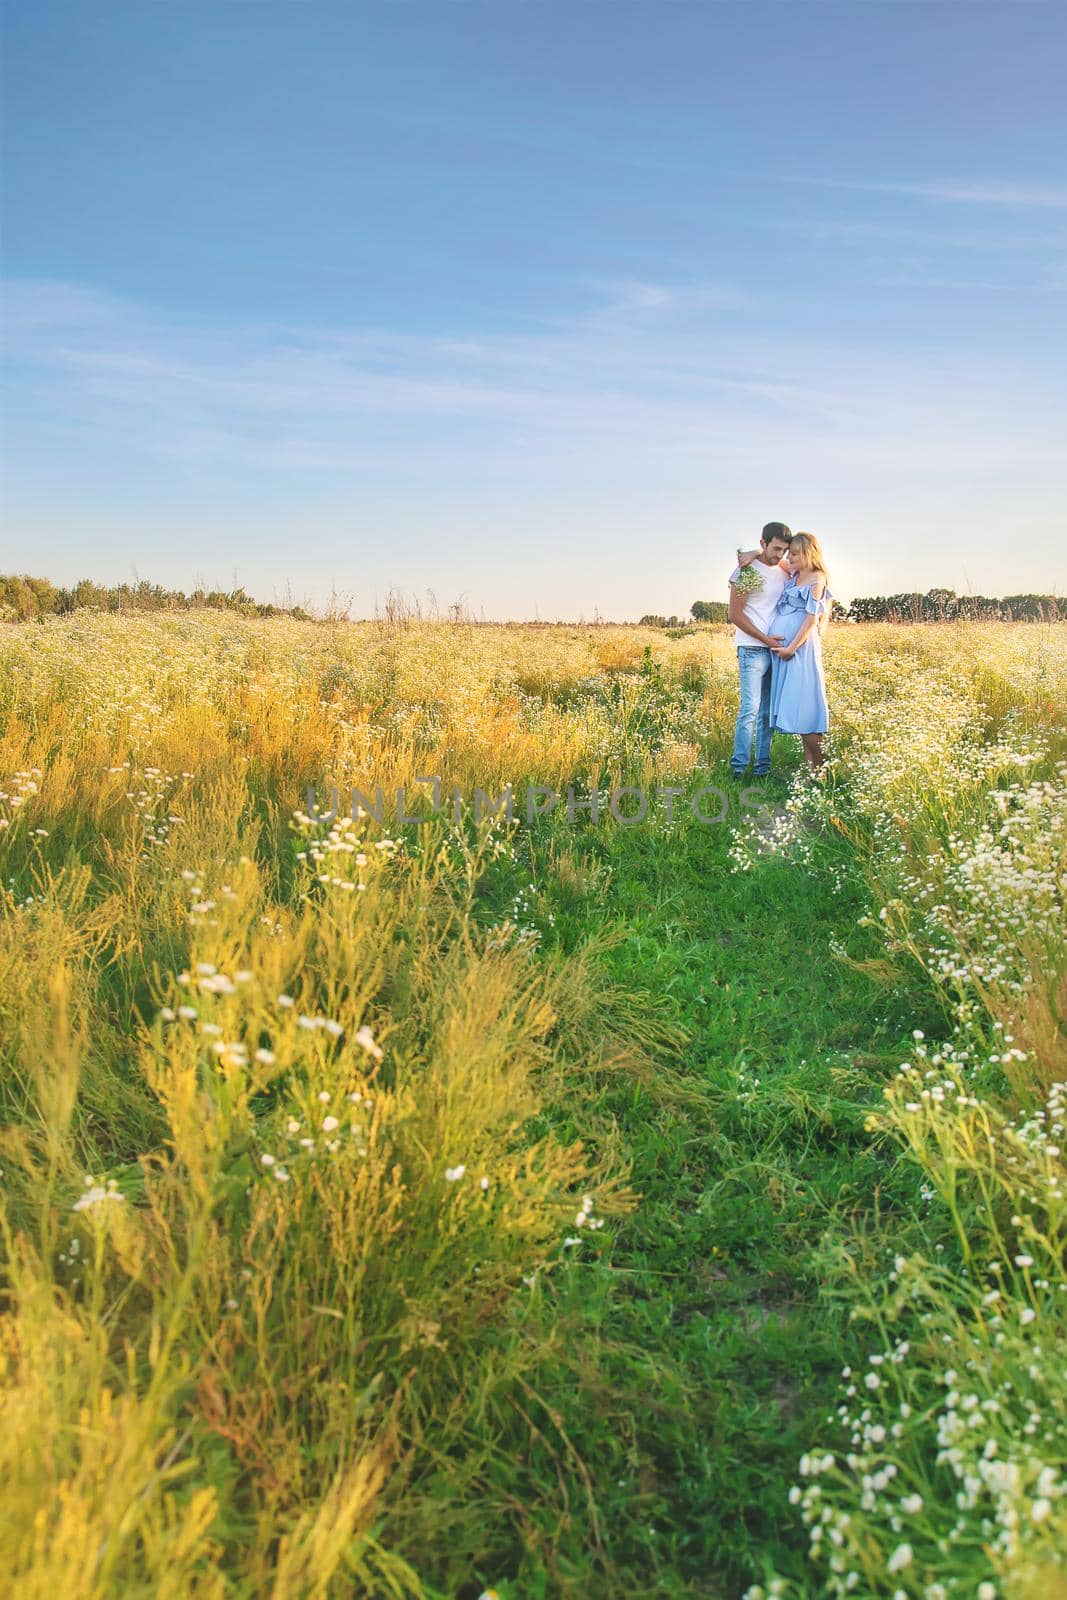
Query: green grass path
[[722, 1348]]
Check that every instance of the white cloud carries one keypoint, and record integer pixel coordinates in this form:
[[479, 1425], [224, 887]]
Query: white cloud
[[282, 395], [1046, 196], [633, 295], [647, 423]]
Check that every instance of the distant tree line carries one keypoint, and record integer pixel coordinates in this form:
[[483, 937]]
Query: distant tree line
[[944, 605], [652, 619], [25, 599], [700, 611], [937, 605]]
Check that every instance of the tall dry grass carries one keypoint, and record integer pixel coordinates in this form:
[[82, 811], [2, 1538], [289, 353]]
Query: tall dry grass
[[282, 1172]]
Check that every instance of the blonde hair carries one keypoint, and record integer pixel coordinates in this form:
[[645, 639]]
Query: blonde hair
[[812, 553], [811, 550]]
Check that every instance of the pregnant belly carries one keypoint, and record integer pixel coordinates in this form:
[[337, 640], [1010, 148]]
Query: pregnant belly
[[788, 623]]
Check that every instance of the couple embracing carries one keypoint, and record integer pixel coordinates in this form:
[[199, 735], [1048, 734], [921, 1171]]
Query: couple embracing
[[780, 604]]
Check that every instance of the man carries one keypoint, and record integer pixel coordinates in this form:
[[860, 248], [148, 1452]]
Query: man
[[752, 616]]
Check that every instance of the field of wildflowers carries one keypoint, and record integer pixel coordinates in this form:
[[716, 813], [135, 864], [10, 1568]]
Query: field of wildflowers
[[551, 1208]]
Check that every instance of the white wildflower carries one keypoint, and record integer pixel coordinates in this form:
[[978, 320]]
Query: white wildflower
[[366, 1038], [900, 1558], [95, 1195]]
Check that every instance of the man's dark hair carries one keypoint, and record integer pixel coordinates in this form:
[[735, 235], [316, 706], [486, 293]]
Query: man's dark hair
[[775, 530]]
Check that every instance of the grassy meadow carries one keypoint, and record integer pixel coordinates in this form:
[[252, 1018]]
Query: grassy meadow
[[569, 1207]]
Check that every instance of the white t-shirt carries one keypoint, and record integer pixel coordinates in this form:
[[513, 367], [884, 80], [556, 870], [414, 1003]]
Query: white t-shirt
[[760, 606]]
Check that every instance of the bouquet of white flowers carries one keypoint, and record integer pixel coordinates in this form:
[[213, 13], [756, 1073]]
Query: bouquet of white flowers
[[749, 580]]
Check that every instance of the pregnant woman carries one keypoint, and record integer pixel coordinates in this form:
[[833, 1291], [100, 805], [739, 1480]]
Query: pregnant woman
[[798, 688]]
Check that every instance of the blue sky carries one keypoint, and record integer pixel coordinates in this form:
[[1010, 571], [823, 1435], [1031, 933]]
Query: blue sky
[[542, 306]]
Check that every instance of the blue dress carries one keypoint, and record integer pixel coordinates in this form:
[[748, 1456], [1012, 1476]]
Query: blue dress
[[798, 688]]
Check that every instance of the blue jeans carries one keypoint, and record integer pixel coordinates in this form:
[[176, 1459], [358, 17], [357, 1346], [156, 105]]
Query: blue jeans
[[753, 718]]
